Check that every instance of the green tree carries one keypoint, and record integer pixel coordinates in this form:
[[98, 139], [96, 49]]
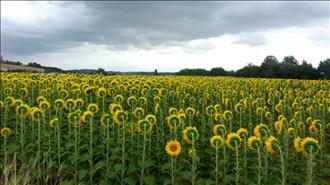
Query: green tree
[[270, 67], [324, 69], [218, 71]]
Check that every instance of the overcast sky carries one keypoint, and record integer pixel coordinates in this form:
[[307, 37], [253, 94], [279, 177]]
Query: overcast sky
[[169, 36]]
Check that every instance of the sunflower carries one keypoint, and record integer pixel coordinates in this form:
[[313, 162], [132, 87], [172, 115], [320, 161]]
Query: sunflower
[[291, 131], [44, 105], [239, 107], [119, 98], [260, 130], [23, 92], [144, 125], [87, 116], [172, 111], [268, 115], [69, 104], [219, 129], [139, 112], [5, 132], [278, 125], [173, 121], [312, 129], [114, 107], [191, 152], [7, 91], [74, 118], [173, 148], [190, 134], [217, 141], [2, 105], [253, 142], [310, 146], [151, 118], [227, 115], [79, 102], [106, 121], [9, 101], [242, 132], [101, 92], [297, 144], [131, 101], [59, 103], [142, 101], [53, 122], [120, 117], [157, 108], [210, 110], [271, 144], [301, 126], [22, 109], [64, 94], [36, 114], [93, 108], [233, 140], [190, 112]]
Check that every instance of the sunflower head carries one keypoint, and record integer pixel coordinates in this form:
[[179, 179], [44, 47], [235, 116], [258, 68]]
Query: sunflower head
[[74, 118], [59, 103], [5, 132], [93, 108], [53, 122], [142, 101], [144, 126], [87, 116], [297, 144], [253, 143], [114, 107], [131, 101], [278, 126], [271, 144], [101, 92], [291, 131], [44, 105], [106, 121], [173, 148], [9, 101], [239, 107], [119, 98], [120, 117], [261, 130], [69, 104], [227, 115], [243, 132], [172, 111], [23, 92], [173, 121], [151, 118], [79, 102], [217, 141], [233, 140], [139, 112], [37, 114], [190, 134], [310, 146], [190, 112], [219, 129], [210, 110], [22, 109], [7, 91]]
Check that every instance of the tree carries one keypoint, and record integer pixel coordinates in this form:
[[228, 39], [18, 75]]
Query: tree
[[306, 71], [101, 71], [270, 67], [218, 71], [193, 72], [288, 67], [156, 72], [33, 64], [324, 69], [249, 71]]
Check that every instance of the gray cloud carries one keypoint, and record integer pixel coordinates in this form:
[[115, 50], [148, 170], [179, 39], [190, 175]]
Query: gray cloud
[[144, 25]]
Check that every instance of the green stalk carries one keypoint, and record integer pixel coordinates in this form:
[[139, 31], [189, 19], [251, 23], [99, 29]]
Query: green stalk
[[216, 166], [282, 167], [310, 169], [259, 166], [143, 156], [193, 166], [172, 170], [123, 154], [91, 146], [237, 164]]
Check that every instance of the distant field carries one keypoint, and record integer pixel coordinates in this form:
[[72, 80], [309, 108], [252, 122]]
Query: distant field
[[9, 67], [94, 129]]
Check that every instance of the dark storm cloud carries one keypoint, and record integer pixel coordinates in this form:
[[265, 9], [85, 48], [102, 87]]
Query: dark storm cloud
[[124, 25]]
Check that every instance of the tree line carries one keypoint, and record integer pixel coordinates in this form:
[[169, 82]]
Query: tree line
[[289, 67]]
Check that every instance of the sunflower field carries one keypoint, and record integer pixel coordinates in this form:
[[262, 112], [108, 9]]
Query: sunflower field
[[94, 129]]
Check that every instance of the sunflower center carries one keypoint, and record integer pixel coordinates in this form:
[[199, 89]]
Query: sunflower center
[[173, 148]]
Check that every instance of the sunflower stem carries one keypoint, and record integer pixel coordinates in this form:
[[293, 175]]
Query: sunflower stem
[[259, 166], [237, 164]]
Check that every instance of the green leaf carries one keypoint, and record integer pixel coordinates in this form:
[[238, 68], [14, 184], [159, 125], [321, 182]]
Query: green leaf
[[67, 182], [149, 180], [166, 167], [186, 175], [130, 180], [84, 157], [97, 166], [82, 173], [118, 167]]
